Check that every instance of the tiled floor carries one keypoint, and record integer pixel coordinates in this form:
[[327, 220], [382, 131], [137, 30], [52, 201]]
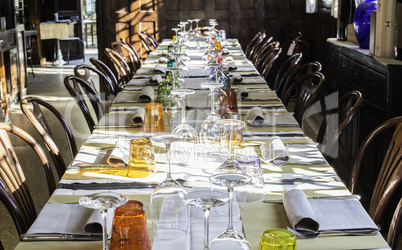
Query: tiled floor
[[47, 84]]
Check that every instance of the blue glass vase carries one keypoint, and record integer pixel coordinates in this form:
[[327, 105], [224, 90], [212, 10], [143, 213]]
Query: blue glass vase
[[361, 22]]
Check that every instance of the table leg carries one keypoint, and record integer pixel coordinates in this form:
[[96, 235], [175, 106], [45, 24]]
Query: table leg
[[59, 55]]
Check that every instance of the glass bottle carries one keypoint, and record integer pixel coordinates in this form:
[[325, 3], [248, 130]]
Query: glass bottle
[[165, 87], [345, 17]]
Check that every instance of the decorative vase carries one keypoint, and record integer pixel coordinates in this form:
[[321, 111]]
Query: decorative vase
[[361, 22]]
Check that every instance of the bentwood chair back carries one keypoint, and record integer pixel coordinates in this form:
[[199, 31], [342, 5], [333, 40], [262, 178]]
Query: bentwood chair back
[[395, 228], [297, 72], [37, 119], [137, 57], [74, 85], [256, 40], [286, 69], [14, 191], [267, 49], [103, 79], [102, 67], [389, 178], [259, 48], [310, 86], [268, 61], [128, 54], [121, 66], [148, 41], [347, 109]]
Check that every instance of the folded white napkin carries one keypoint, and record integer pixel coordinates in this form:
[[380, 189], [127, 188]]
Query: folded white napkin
[[259, 118], [120, 154], [232, 66], [159, 69], [235, 79], [274, 150], [311, 217], [156, 78], [69, 219], [138, 118], [163, 60], [242, 92], [147, 93]]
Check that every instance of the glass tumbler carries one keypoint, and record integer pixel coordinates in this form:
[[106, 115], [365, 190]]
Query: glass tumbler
[[277, 239], [142, 158], [252, 166], [154, 121], [129, 229]]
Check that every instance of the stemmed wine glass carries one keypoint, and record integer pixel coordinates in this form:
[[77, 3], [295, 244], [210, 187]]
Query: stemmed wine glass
[[205, 199], [209, 133], [103, 201], [170, 217], [197, 30], [176, 41], [184, 128], [230, 125], [230, 239], [191, 30]]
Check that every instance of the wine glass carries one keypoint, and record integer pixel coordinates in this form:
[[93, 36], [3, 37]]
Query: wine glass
[[103, 201], [230, 125], [191, 30], [205, 199], [230, 239], [176, 41], [170, 217], [184, 128], [209, 133], [198, 31]]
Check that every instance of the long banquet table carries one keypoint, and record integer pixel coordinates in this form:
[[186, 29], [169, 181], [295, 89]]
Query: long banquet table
[[315, 178]]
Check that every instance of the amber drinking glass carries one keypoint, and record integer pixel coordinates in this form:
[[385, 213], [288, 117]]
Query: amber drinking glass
[[129, 229], [277, 239], [154, 121], [228, 103], [142, 158]]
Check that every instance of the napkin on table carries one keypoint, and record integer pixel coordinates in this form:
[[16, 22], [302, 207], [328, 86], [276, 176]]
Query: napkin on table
[[120, 153], [147, 93], [159, 69], [311, 217], [258, 118], [138, 118], [235, 79], [242, 92], [156, 78], [274, 150], [71, 219]]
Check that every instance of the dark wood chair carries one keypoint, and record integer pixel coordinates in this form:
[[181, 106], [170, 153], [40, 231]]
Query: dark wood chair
[[74, 85], [268, 62], [395, 228], [14, 191], [121, 66], [267, 49], [257, 50], [137, 58], [37, 119], [111, 89], [347, 109], [126, 53], [102, 67], [310, 86], [148, 41], [285, 70], [298, 71], [389, 178], [256, 40]]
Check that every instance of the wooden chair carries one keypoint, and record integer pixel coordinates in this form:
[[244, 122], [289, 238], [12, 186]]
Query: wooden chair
[[395, 228], [267, 49], [14, 191], [39, 122], [310, 86], [298, 71], [148, 41], [347, 109], [257, 50], [110, 87], [390, 175], [126, 54], [102, 67], [134, 51], [73, 85], [285, 70], [122, 68], [268, 61], [256, 40]]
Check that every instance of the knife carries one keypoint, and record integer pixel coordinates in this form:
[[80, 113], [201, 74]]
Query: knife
[[352, 196], [55, 236]]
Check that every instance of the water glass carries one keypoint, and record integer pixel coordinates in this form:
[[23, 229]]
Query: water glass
[[252, 165], [129, 229], [154, 121], [142, 158], [277, 239]]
